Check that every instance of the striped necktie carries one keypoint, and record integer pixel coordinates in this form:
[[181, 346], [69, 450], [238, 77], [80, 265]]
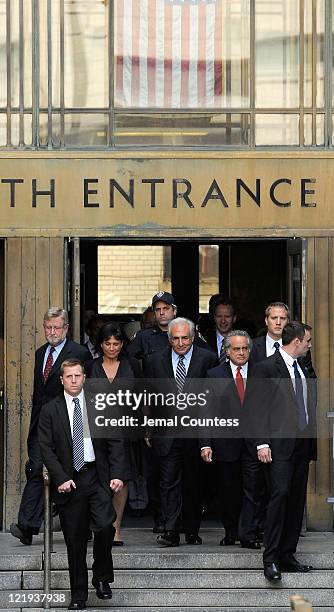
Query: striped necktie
[[48, 364], [180, 374], [222, 354], [78, 436], [302, 422]]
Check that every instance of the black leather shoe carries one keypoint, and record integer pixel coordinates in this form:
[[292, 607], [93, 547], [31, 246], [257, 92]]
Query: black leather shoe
[[290, 564], [193, 538], [169, 538], [227, 541], [158, 528], [77, 605], [272, 572], [102, 589], [24, 536], [254, 544]]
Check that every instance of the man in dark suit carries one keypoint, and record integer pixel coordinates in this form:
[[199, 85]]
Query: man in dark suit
[[283, 408], [228, 454], [47, 385], [277, 315], [224, 318], [179, 460], [84, 471]]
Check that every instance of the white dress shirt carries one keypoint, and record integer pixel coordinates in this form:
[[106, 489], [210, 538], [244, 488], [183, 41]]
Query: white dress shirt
[[288, 360], [219, 340], [57, 350], [89, 454], [270, 348], [186, 361], [243, 371]]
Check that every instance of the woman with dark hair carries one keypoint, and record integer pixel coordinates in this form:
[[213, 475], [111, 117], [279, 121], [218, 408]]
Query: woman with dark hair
[[113, 364]]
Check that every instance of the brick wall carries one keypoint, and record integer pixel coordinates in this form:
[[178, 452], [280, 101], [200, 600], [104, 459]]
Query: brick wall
[[129, 276]]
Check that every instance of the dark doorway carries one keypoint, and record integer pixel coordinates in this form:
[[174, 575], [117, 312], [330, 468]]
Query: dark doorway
[[251, 272]]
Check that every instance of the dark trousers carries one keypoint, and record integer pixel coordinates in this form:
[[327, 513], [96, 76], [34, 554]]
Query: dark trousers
[[228, 482], [193, 469], [253, 487], [89, 506], [181, 486], [170, 467], [287, 482], [31, 511]]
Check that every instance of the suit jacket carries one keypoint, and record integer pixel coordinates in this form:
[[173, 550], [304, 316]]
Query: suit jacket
[[159, 365], [228, 449], [258, 353], [273, 404], [43, 392], [211, 338], [55, 439], [153, 340]]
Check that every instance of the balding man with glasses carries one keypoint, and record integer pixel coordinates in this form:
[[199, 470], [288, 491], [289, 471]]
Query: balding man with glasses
[[47, 385]]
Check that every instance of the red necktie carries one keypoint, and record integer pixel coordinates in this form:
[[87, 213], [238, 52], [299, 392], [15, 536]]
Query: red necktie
[[239, 381], [48, 365]]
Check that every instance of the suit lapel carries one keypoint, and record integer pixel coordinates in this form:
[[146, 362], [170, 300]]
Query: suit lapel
[[61, 357], [63, 417], [229, 374], [167, 363], [40, 361], [263, 348], [194, 364], [284, 372]]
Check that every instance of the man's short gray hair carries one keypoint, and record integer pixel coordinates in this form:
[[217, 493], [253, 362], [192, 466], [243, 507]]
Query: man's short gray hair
[[181, 321], [232, 334], [55, 311]]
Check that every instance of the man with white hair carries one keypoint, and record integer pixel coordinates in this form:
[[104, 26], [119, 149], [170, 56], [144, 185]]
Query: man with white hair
[[179, 461], [47, 385]]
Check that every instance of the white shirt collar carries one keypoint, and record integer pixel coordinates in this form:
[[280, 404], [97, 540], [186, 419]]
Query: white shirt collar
[[243, 369]]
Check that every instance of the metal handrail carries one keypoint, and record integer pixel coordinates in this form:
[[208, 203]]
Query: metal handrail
[[47, 538]]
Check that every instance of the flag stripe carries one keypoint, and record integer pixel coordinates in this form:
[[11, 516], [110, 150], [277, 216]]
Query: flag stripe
[[151, 53], [168, 53]]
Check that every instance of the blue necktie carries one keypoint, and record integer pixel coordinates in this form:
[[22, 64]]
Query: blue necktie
[[302, 422], [180, 374], [78, 436], [277, 346], [222, 354]]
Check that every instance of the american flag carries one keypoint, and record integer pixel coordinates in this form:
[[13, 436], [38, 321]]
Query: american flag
[[168, 53]]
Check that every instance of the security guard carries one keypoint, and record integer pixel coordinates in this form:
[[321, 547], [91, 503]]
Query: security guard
[[148, 341]]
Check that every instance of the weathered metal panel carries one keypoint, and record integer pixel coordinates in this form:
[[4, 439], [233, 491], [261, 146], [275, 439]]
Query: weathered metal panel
[[212, 194]]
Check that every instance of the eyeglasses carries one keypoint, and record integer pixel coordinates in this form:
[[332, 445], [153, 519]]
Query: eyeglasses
[[56, 328]]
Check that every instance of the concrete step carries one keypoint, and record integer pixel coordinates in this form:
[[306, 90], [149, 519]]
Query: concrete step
[[11, 580], [187, 609], [21, 562], [187, 579], [165, 560], [195, 560], [198, 599]]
